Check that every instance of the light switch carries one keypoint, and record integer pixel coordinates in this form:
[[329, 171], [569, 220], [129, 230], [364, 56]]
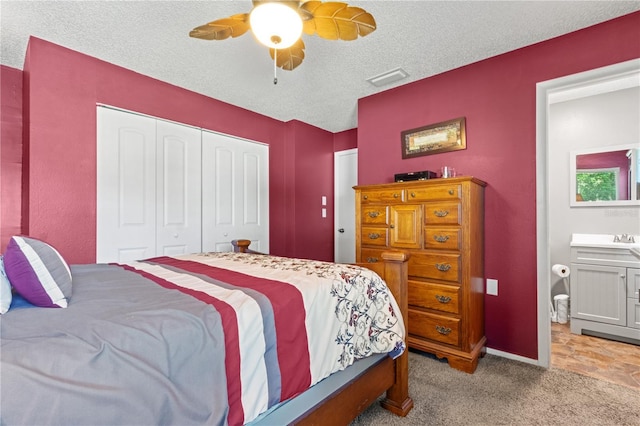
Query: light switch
[[324, 200], [492, 287], [324, 212]]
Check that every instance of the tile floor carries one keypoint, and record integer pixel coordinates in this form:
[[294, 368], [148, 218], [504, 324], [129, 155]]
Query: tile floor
[[596, 357]]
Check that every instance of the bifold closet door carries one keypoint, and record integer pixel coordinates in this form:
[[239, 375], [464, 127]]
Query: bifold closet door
[[126, 186], [235, 192], [179, 191], [148, 187]]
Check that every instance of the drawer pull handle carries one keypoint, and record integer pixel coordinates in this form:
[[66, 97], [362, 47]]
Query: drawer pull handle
[[443, 267], [413, 194], [443, 299], [374, 236], [441, 213], [395, 195], [392, 226], [366, 197], [441, 238], [451, 192], [372, 259], [443, 330], [374, 214]]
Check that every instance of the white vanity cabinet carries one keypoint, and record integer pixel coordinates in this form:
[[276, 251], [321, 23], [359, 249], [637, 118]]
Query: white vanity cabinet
[[605, 281], [599, 293], [633, 298]]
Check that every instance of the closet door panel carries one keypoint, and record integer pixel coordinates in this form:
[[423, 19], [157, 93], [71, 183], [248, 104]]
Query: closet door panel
[[235, 191], [178, 171], [126, 186], [225, 200], [255, 194], [251, 190]]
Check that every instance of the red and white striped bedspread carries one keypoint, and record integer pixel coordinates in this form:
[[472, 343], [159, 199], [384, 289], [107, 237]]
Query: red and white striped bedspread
[[288, 323]]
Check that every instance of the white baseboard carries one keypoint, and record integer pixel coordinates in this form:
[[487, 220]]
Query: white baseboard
[[512, 356]]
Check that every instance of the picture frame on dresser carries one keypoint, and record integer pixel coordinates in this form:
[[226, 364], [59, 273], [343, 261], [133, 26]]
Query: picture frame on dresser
[[435, 138]]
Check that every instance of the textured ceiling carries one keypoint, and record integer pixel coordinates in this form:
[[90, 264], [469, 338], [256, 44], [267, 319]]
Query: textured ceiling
[[422, 37]]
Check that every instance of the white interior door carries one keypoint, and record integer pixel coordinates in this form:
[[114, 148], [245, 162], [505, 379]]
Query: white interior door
[[345, 178], [178, 172], [126, 186], [235, 192]]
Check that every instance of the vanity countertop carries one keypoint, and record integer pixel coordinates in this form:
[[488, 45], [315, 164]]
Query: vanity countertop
[[602, 241]]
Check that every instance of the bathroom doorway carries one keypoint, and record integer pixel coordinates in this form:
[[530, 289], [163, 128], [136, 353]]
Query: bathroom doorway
[[552, 165]]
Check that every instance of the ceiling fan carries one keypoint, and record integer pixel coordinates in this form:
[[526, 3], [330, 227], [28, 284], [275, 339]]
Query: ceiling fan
[[279, 26]]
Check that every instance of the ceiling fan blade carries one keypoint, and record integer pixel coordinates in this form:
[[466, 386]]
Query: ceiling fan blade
[[220, 29], [337, 21], [289, 58]]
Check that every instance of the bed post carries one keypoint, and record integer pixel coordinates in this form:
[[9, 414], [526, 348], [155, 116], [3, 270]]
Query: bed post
[[397, 399], [242, 246]]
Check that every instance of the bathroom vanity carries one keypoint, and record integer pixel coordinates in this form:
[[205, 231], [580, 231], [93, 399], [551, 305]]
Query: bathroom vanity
[[605, 284]]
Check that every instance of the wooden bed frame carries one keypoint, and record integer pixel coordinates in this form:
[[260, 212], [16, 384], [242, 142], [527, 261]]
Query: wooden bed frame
[[388, 375]]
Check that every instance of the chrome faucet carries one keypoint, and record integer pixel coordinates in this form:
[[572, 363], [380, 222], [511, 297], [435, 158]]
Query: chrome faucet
[[624, 238]]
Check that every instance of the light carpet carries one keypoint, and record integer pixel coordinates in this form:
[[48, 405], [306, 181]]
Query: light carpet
[[507, 392]]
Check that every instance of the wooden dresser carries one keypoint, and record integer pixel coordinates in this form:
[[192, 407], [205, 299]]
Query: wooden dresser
[[440, 222]]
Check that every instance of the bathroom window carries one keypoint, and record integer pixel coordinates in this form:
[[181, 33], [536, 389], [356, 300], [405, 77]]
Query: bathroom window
[[597, 184]]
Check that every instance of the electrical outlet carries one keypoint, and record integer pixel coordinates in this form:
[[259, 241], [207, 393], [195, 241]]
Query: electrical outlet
[[492, 287]]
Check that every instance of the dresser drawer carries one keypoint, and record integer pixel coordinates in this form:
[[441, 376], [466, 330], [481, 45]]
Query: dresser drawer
[[439, 192], [374, 215], [437, 266], [371, 255], [374, 236], [443, 213], [382, 196], [434, 327], [445, 298], [445, 239]]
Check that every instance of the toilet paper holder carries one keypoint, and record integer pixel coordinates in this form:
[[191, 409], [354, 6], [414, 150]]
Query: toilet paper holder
[[561, 270]]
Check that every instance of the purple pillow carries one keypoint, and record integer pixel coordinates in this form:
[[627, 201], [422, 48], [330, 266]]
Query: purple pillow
[[38, 272]]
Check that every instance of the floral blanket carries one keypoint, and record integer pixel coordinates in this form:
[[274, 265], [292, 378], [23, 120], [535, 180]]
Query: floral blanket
[[296, 321]]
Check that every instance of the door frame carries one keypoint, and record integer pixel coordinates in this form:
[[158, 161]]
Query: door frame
[[567, 84]]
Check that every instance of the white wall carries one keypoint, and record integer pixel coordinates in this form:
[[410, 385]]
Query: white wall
[[595, 121]]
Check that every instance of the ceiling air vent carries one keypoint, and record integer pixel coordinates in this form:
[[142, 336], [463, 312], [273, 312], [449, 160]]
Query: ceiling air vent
[[388, 77]]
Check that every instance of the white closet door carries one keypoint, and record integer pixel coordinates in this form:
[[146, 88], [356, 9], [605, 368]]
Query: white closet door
[[126, 186], [178, 172], [235, 192]]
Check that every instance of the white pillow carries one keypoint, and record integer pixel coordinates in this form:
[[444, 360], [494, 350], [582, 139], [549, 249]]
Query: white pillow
[[5, 289]]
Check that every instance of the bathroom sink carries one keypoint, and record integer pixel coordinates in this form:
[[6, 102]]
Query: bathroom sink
[[603, 241]]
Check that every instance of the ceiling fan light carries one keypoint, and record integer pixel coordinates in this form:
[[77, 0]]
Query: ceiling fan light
[[275, 25]]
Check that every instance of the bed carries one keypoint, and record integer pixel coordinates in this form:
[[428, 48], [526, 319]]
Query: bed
[[174, 340]]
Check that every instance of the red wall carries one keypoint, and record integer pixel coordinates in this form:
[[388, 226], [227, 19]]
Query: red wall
[[345, 140], [10, 153], [64, 87], [313, 159], [498, 98]]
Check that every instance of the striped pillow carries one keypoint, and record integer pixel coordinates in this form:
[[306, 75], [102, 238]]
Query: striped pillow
[[38, 272]]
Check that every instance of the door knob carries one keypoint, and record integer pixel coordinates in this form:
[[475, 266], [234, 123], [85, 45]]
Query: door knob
[[341, 230]]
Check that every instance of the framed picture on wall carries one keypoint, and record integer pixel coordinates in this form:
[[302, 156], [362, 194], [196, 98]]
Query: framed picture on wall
[[435, 138]]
